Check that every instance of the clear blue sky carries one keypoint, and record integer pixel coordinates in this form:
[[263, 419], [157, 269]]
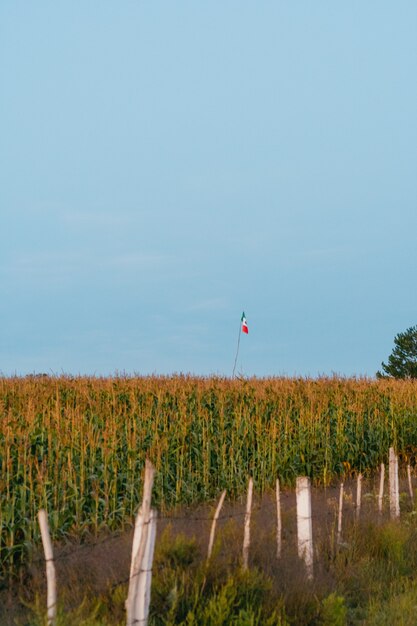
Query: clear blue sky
[[166, 165]]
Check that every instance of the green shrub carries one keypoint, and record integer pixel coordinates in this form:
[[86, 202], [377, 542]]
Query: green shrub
[[333, 611]]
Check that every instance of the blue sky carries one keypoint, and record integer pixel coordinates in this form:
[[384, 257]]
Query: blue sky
[[166, 165]]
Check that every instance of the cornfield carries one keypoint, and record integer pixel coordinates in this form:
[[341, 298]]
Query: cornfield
[[77, 446]]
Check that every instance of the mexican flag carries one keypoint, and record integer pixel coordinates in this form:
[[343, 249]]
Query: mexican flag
[[245, 328]]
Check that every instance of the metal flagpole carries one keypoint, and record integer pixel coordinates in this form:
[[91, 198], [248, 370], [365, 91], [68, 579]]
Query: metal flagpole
[[238, 344]]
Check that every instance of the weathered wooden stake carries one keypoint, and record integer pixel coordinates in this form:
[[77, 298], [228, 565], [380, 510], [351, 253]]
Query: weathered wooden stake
[[144, 579], [279, 524], [358, 496], [381, 487], [339, 519], [394, 495], [137, 603], [50, 568], [304, 523], [213, 524], [246, 537], [410, 484]]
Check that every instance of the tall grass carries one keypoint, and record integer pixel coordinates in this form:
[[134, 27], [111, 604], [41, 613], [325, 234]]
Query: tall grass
[[369, 580], [77, 446]]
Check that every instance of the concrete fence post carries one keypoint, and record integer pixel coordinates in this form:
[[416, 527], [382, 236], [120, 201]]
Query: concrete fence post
[[304, 523]]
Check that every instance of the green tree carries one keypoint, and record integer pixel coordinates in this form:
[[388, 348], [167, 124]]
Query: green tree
[[402, 362]]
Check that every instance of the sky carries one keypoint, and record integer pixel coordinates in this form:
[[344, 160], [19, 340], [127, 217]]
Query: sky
[[165, 166]]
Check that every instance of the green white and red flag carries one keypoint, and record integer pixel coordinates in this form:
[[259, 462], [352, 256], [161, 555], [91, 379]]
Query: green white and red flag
[[245, 328]]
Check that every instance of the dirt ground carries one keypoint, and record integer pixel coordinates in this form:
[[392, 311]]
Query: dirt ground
[[104, 561]]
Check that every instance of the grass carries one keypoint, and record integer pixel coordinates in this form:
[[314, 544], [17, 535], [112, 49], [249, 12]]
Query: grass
[[370, 581]]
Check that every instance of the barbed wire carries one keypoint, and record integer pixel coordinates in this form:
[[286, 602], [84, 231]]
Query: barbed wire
[[317, 515], [350, 508]]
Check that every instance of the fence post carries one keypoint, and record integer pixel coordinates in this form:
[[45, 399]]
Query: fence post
[[304, 523], [339, 518], [381, 487], [358, 495], [50, 568], [213, 524], [394, 496], [246, 537], [410, 484], [144, 579], [137, 603], [279, 524]]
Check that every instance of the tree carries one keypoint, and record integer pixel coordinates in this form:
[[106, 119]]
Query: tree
[[402, 362]]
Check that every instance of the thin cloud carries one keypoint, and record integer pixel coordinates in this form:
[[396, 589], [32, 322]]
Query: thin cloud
[[211, 304], [98, 219], [135, 261], [52, 264]]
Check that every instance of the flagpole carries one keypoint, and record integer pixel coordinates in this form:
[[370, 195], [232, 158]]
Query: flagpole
[[237, 351]]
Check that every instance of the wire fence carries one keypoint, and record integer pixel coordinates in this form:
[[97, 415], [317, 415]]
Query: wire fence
[[325, 509], [285, 523]]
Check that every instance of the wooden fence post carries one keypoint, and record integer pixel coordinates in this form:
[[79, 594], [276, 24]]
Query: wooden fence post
[[340, 515], [358, 495], [279, 524], [394, 496], [381, 487], [137, 604], [304, 523], [50, 568], [410, 484], [246, 537], [144, 579], [213, 524]]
